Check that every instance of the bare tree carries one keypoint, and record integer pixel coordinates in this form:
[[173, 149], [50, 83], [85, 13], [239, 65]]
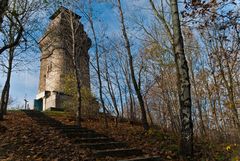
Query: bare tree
[[183, 79], [130, 59], [90, 19], [110, 88], [184, 86], [17, 15]]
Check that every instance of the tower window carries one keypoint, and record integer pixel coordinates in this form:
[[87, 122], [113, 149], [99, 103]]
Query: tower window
[[49, 67]]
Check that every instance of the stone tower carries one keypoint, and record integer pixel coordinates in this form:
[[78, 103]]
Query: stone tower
[[56, 46]]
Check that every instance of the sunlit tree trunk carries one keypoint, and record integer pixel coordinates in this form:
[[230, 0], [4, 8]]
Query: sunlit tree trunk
[[184, 87], [76, 69]]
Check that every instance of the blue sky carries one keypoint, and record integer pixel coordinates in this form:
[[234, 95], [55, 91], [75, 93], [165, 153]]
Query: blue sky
[[24, 84]]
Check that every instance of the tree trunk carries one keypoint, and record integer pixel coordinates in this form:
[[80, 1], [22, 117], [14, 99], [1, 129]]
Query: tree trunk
[[4, 98], [76, 62], [120, 93], [231, 93], [79, 97], [132, 117], [126, 102], [130, 59], [202, 126], [111, 92], [129, 88], [7, 100], [171, 115], [228, 81], [79, 87], [223, 124], [6, 88], [7, 83], [5, 92], [212, 105], [184, 87], [149, 114], [98, 65]]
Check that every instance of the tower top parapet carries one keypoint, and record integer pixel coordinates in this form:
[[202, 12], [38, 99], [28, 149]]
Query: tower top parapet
[[62, 10]]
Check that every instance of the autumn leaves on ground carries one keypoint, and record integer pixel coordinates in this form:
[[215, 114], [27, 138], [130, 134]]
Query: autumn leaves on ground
[[22, 138]]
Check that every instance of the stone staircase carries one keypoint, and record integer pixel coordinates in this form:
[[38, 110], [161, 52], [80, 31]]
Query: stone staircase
[[100, 145]]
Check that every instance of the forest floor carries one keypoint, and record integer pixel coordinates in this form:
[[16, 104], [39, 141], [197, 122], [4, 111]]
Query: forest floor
[[22, 139]]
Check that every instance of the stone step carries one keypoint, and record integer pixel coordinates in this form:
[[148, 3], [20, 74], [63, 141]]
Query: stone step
[[56, 109], [37, 115], [70, 127], [91, 140], [69, 130], [45, 119], [83, 135], [74, 130], [143, 158], [47, 123], [41, 122], [101, 146], [117, 153]]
